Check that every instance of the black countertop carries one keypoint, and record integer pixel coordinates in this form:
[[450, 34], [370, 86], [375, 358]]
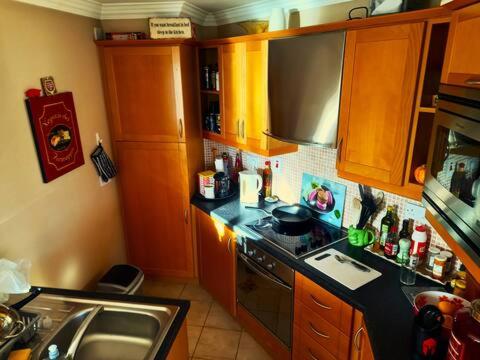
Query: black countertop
[[387, 312], [180, 317]]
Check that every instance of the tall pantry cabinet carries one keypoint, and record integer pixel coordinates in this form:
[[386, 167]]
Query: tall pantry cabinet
[[152, 108]]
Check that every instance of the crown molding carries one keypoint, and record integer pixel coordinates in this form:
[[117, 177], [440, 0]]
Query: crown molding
[[259, 10], [89, 8]]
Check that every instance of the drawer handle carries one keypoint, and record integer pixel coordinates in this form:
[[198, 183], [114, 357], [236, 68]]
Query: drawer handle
[[472, 82], [356, 338], [318, 332], [311, 354], [319, 303]]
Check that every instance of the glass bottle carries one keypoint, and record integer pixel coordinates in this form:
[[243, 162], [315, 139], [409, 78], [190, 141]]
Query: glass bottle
[[405, 232], [267, 179], [391, 245], [403, 250], [464, 343], [387, 222]]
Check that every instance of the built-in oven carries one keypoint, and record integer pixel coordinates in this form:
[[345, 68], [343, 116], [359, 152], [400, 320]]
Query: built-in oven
[[265, 289], [452, 185]]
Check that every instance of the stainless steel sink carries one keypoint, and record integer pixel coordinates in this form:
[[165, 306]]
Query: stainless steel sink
[[119, 331]]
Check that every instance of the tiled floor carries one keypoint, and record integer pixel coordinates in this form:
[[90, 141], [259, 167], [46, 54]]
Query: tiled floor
[[212, 332]]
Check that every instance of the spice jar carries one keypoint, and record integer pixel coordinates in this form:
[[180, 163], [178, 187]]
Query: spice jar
[[460, 288], [449, 256], [439, 267], [432, 252]]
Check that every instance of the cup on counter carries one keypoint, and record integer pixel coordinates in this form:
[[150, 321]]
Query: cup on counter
[[360, 237], [209, 192]]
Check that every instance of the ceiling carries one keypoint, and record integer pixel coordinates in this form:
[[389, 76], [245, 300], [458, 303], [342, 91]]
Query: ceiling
[[202, 12], [207, 5]]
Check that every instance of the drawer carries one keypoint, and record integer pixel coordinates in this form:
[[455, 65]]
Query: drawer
[[323, 303], [305, 348], [321, 331]]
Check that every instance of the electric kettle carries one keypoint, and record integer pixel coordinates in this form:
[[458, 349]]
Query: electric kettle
[[250, 186]]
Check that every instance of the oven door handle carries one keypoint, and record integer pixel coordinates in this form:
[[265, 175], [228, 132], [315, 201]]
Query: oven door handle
[[258, 270]]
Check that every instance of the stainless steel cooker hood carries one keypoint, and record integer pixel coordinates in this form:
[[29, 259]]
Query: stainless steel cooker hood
[[304, 80]]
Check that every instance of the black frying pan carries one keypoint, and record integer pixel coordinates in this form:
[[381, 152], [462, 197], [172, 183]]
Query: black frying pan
[[292, 219]]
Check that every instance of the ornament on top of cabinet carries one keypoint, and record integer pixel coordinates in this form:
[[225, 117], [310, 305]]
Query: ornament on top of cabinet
[[48, 86]]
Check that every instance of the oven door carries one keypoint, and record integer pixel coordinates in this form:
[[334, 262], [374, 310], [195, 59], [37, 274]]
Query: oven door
[[452, 187], [266, 297]]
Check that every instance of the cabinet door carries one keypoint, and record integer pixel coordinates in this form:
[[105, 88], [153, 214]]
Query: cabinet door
[[462, 65], [142, 85], [216, 253], [379, 80], [154, 189], [233, 90], [256, 95], [360, 346]]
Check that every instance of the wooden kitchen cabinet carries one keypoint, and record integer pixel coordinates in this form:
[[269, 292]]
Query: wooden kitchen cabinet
[[156, 203], [217, 259], [243, 69], [360, 346], [144, 88], [462, 65], [379, 80]]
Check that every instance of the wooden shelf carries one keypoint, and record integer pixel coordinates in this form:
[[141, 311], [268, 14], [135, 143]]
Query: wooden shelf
[[430, 110], [210, 92]]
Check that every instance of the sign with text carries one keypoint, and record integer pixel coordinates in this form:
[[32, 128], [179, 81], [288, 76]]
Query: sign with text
[[170, 28]]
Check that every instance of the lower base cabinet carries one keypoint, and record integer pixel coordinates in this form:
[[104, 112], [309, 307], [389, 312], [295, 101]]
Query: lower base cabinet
[[179, 349], [216, 260], [325, 327]]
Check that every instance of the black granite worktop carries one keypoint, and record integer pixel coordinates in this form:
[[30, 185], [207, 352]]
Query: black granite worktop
[[170, 337], [387, 312]]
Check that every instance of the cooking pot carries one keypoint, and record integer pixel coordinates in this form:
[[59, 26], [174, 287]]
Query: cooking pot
[[10, 324]]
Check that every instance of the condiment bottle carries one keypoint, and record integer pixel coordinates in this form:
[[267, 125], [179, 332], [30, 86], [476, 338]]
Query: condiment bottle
[[267, 180], [387, 222], [438, 270], [391, 245], [465, 339], [405, 232], [238, 167], [419, 242], [403, 249]]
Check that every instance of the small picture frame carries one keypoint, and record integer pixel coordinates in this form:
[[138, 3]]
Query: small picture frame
[[170, 28], [48, 86]]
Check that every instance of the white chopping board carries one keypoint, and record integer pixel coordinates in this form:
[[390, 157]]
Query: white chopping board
[[345, 273]]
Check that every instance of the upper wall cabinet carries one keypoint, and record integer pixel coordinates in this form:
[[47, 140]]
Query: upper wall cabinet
[[462, 58], [378, 91], [145, 92], [243, 68]]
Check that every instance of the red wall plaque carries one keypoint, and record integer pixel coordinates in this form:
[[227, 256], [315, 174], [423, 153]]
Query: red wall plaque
[[55, 129]]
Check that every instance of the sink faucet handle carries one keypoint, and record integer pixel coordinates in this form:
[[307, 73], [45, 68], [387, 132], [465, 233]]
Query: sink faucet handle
[[72, 349]]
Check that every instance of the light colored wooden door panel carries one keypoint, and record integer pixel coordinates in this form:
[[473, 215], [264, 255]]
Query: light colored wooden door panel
[[143, 84], [462, 65], [380, 73], [156, 207]]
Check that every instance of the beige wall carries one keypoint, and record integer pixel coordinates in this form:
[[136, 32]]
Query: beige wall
[[69, 228]]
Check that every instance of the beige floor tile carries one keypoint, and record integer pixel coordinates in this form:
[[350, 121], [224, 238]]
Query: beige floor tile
[[193, 335], [249, 349], [221, 319], [195, 292], [198, 312], [162, 288], [217, 344]]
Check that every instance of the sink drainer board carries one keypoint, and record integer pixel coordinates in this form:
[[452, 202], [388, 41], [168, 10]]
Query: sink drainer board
[[121, 331], [344, 273]]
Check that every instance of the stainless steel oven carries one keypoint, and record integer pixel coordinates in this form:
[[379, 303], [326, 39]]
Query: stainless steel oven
[[265, 289], [452, 186]]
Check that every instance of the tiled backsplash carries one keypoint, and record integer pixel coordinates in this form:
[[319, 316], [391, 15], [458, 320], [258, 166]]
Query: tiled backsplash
[[318, 162]]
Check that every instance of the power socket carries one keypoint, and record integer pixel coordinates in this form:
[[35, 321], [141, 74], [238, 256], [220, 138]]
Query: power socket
[[414, 211]]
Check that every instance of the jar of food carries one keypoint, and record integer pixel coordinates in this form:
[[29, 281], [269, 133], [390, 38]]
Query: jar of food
[[460, 288], [432, 252], [449, 256], [439, 267]]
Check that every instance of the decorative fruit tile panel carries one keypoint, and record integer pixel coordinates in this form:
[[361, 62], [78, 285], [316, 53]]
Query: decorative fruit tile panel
[[319, 162]]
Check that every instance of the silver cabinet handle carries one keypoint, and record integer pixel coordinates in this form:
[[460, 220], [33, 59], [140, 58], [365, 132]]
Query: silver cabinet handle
[[313, 357], [318, 332], [356, 338], [314, 299], [180, 131], [472, 82], [228, 245], [185, 216]]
